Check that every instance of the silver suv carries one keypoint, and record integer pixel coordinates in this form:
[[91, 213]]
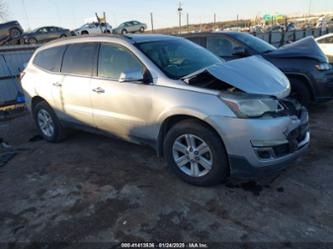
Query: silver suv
[[208, 118]]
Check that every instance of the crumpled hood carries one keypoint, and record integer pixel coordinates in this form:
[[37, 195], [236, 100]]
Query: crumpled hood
[[252, 75], [304, 48]]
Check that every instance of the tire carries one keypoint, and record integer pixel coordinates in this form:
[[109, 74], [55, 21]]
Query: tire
[[142, 29], [124, 32], [300, 91], [58, 132], [107, 31], [32, 41], [63, 36], [14, 33], [216, 155], [84, 32]]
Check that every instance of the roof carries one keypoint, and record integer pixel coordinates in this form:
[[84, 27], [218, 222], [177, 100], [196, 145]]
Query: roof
[[132, 38], [150, 38]]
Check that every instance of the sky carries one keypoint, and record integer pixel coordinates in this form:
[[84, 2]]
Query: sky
[[72, 13]]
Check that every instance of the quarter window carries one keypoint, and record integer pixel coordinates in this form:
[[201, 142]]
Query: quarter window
[[114, 60], [50, 59], [80, 59]]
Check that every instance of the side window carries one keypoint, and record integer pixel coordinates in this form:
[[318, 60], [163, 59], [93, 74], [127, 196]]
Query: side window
[[114, 60], [199, 40], [221, 46], [50, 59], [42, 30], [80, 59]]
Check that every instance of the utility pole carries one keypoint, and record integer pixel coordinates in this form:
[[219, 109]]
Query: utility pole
[[214, 27], [26, 14], [152, 22], [188, 22], [180, 9], [310, 4]]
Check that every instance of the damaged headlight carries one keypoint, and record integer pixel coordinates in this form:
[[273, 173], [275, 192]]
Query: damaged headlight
[[323, 66], [251, 106]]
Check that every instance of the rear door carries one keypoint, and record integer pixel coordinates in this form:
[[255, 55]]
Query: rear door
[[48, 79], [74, 93], [53, 33]]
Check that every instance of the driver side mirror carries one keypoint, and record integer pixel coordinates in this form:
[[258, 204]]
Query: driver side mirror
[[240, 51], [131, 76]]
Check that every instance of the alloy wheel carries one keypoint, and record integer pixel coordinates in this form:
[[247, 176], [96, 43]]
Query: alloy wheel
[[45, 123], [192, 155]]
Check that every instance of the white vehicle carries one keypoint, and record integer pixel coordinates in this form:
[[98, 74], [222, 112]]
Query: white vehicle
[[93, 28], [325, 42]]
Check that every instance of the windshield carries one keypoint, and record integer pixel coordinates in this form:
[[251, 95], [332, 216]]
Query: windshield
[[253, 42], [178, 57]]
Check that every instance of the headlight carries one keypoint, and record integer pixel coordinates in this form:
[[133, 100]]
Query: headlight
[[323, 66], [251, 106]]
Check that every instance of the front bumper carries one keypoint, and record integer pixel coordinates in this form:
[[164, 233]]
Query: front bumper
[[259, 147]]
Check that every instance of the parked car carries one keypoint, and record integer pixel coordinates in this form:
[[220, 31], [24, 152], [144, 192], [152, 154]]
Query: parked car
[[209, 119], [325, 42], [93, 29], [130, 27], [310, 74], [45, 34], [275, 28], [10, 30]]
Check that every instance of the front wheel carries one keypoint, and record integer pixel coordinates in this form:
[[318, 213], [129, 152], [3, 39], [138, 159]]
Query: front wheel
[[142, 29], [196, 153], [300, 91], [124, 32], [48, 123]]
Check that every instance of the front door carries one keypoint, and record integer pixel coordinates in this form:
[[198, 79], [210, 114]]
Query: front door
[[120, 108]]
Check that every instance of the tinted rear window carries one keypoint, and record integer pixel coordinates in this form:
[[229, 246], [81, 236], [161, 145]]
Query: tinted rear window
[[80, 59], [50, 59]]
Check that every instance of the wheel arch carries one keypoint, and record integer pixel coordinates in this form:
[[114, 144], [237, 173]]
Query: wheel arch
[[171, 121], [35, 100], [304, 78]]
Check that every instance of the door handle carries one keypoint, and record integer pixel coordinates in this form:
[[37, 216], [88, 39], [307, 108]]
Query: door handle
[[58, 84], [98, 90]]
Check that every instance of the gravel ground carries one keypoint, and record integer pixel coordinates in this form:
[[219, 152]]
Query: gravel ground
[[91, 188]]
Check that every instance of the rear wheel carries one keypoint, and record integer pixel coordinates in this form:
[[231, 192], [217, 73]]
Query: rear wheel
[[63, 36], [48, 123], [32, 40], [300, 91], [14, 33], [142, 29], [84, 32], [196, 154]]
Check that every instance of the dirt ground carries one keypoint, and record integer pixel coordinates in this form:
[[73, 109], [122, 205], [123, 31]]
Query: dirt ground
[[91, 188]]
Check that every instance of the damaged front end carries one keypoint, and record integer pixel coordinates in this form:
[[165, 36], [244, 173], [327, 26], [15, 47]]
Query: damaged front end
[[251, 75], [250, 87]]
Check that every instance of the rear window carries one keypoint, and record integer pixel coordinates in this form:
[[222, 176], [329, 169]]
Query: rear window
[[50, 59], [80, 59]]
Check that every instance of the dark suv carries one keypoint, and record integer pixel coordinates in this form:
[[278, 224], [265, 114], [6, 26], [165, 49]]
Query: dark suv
[[10, 30], [306, 66]]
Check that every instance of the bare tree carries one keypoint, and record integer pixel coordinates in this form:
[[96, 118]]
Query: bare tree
[[2, 10]]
